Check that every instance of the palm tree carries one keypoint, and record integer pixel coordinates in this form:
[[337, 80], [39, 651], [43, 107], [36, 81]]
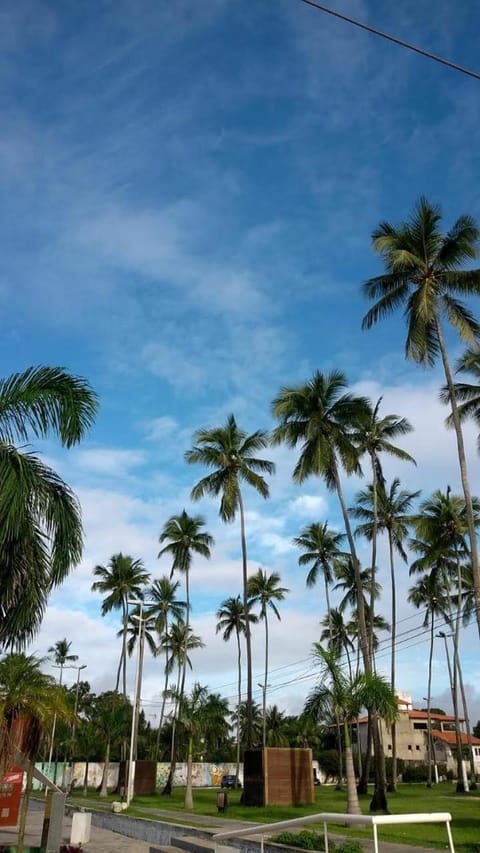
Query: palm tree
[[467, 394], [277, 729], [347, 583], [139, 625], [264, 590], [61, 654], [423, 273], [231, 617], [321, 551], [429, 593], [40, 520], [231, 453], [178, 643], [338, 693], [337, 634], [164, 605], [29, 702], [442, 524], [374, 437], [111, 719], [392, 517], [324, 417], [191, 716], [123, 578], [242, 717]]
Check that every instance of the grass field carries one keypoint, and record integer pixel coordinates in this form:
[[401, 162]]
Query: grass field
[[465, 810]]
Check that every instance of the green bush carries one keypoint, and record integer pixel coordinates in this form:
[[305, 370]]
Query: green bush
[[349, 846], [306, 840], [328, 762], [415, 773]]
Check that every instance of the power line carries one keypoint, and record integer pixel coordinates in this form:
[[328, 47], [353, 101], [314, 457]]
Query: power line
[[407, 45]]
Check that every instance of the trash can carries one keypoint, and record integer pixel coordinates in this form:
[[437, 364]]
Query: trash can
[[222, 801]]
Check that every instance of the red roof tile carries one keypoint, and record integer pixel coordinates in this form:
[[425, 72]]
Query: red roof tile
[[450, 738]]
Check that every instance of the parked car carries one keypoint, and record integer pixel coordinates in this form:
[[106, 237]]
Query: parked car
[[230, 781]]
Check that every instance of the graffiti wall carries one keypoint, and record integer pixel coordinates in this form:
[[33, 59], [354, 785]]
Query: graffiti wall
[[204, 775]]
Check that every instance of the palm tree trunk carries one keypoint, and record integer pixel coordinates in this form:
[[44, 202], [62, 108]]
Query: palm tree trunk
[[393, 784], [379, 799], [374, 551], [248, 638], [239, 702], [124, 645], [429, 699], [85, 779], [165, 688], [473, 772], [463, 467], [353, 804], [264, 703], [167, 790], [457, 665], [453, 687], [362, 625], [188, 790], [104, 787], [337, 720]]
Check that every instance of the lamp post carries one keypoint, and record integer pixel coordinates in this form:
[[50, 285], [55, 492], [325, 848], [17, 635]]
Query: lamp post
[[431, 748]]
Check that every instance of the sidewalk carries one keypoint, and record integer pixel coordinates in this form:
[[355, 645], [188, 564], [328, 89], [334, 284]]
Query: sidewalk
[[102, 840]]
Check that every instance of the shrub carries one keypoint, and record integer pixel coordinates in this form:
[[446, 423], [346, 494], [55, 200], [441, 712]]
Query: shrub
[[415, 773], [306, 840], [349, 846], [328, 762]]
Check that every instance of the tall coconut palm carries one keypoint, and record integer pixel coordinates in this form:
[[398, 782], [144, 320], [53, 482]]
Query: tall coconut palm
[[184, 537], [321, 551], [347, 583], [232, 454], [338, 693], [393, 517], [164, 606], [123, 578], [442, 524], [424, 274], [375, 436], [192, 710], [467, 393], [178, 643], [231, 618], [323, 417], [429, 593], [140, 625], [336, 633], [40, 520], [265, 591], [61, 655]]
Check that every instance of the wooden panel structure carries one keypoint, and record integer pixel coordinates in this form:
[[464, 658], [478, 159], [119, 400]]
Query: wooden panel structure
[[278, 777], [145, 780]]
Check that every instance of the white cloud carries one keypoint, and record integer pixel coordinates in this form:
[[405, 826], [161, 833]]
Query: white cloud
[[309, 506], [108, 461], [161, 428]]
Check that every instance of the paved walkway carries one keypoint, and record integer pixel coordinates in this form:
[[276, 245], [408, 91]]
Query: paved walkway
[[102, 840]]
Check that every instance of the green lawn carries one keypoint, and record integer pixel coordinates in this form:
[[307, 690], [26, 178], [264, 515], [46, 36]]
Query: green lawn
[[465, 810]]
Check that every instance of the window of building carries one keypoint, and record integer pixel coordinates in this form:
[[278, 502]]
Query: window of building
[[417, 748], [389, 746], [410, 747], [420, 726]]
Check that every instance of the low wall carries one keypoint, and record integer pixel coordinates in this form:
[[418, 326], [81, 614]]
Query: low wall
[[204, 774]]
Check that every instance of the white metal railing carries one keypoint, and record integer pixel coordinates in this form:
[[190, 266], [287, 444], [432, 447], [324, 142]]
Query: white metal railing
[[346, 819]]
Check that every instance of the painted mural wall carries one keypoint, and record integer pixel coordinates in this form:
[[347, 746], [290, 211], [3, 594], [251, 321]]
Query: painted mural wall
[[204, 775]]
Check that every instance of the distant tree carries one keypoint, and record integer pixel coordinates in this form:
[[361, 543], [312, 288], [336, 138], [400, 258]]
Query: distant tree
[[61, 655], [111, 718]]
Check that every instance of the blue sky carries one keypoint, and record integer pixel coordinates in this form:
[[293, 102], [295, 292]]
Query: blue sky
[[188, 194]]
